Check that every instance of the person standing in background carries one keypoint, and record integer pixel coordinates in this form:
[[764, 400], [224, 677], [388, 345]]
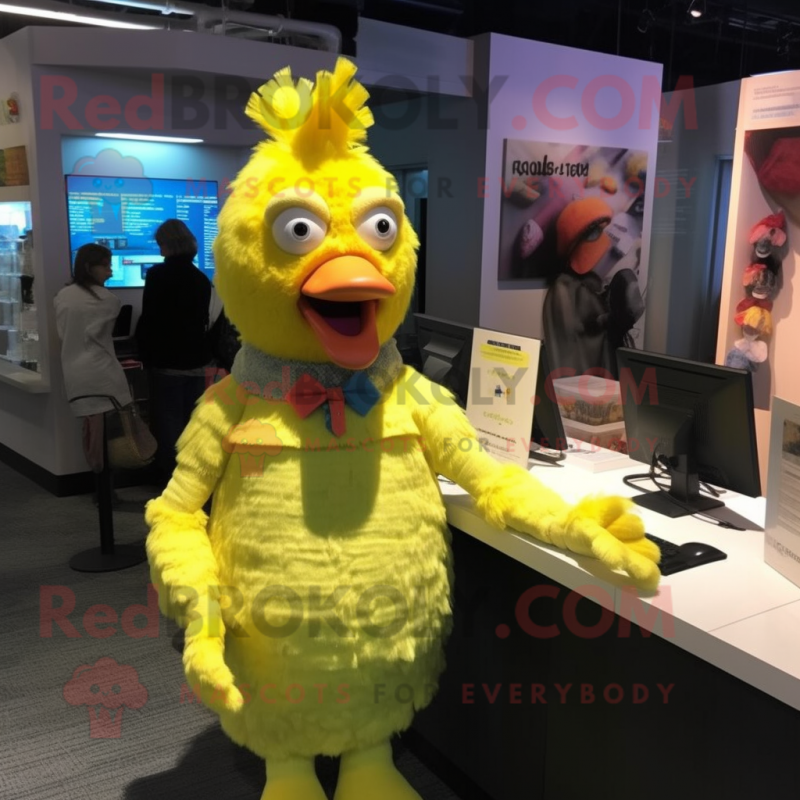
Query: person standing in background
[[173, 337], [85, 315]]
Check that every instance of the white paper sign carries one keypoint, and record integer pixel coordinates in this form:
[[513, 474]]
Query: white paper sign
[[770, 101], [502, 390], [782, 536]]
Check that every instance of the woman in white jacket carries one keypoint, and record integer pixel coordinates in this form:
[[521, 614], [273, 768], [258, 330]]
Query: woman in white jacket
[[85, 316]]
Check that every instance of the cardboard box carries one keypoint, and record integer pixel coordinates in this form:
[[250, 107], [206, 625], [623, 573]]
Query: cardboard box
[[591, 409], [607, 436]]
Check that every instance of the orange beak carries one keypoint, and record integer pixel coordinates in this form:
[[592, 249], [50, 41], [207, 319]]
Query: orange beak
[[339, 300]]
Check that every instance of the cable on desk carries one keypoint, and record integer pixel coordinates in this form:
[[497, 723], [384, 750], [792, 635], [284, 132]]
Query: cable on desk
[[654, 476]]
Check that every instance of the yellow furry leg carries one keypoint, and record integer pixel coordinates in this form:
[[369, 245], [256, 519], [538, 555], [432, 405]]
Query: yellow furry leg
[[370, 774], [293, 779]]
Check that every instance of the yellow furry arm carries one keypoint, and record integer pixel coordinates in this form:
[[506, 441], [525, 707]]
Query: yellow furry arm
[[454, 451], [202, 457], [509, 496], [178, 548], [182, 564]]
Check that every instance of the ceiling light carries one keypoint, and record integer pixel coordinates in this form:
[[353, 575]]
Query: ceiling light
[[163, 7], [141, 137], [697, 8], [81, 19]]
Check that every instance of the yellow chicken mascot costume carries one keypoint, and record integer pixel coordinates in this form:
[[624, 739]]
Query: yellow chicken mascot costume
[[320, 582]]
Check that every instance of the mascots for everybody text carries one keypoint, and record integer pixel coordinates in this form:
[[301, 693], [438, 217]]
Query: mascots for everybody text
[[320, 583]]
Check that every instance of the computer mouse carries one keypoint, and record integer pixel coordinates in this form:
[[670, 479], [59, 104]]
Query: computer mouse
[[696, 553]]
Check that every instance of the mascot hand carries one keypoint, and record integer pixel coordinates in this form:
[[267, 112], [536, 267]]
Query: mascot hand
[[605, 527], [602, 527], [208, 674]]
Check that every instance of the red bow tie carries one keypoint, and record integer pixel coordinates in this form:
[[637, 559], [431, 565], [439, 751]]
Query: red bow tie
[[308, 394], [358, 392]]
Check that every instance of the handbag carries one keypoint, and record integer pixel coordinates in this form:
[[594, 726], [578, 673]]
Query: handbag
[[221, 335], [224, 342], [128, 439]]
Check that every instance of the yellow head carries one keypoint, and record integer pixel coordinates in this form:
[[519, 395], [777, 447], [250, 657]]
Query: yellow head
[[315, 258]]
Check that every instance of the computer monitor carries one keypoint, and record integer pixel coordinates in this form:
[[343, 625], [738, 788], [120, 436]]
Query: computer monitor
[[123, 214], [446, 355], [548, 429], [696, 421]]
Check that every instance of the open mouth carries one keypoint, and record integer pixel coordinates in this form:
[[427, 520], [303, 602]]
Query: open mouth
[[345, 318], [339, 301]]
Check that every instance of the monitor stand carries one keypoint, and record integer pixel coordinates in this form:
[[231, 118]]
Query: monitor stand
[[545, 455], [683, 496]]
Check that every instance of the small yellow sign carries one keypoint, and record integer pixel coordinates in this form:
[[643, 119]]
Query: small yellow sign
[[504, 355]]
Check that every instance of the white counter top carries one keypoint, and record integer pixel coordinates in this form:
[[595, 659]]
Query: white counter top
[[22, 378], [738, 614]]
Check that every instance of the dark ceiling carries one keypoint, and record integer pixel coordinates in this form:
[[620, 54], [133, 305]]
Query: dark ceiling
[[733, 38]]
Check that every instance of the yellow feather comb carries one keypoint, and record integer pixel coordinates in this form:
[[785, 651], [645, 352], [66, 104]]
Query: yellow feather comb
[[313, 119]]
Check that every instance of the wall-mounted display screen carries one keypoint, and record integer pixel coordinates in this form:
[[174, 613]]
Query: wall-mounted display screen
[[124, 213]]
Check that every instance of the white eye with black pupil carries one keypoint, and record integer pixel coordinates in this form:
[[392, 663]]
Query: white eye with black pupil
[[298, 231], [378, 228]]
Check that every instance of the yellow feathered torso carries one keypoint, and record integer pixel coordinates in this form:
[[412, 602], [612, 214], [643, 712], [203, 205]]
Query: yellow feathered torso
[[338, 549]]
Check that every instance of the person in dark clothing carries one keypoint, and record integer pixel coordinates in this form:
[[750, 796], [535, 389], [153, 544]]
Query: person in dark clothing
[[173, 337]]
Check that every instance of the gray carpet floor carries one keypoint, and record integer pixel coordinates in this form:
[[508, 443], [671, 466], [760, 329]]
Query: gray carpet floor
[[166, 748]]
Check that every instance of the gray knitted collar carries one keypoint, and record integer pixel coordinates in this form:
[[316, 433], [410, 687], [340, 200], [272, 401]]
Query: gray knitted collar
[[272, 377]]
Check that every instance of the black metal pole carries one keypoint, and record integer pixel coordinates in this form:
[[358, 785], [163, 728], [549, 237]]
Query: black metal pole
[[108, 557], [105, 491]]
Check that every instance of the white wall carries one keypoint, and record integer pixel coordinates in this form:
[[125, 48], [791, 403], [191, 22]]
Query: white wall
[[410, 58], [767, 102], [526, 65], [27, 423], [681, 315], [446, 134]]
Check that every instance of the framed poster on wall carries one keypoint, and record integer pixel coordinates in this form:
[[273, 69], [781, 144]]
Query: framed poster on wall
[[572, 216], [601, 189]]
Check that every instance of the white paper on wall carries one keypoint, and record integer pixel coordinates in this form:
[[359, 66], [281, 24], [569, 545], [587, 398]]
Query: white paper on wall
[[782, 534]]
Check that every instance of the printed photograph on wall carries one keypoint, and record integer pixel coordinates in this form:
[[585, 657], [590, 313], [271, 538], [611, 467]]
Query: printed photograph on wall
[[572, 216], [14, 167], [774, 155]]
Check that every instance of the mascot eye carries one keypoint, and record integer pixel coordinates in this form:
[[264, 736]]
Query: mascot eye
[[298, 231], [378, 228]]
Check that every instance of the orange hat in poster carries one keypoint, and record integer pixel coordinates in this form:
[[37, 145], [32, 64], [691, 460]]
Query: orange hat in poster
[[581, 233]]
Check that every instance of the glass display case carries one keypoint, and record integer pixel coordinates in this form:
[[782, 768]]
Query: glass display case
[[19, 330]]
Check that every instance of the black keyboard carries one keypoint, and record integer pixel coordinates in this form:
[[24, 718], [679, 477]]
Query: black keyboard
[[678, 557]]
